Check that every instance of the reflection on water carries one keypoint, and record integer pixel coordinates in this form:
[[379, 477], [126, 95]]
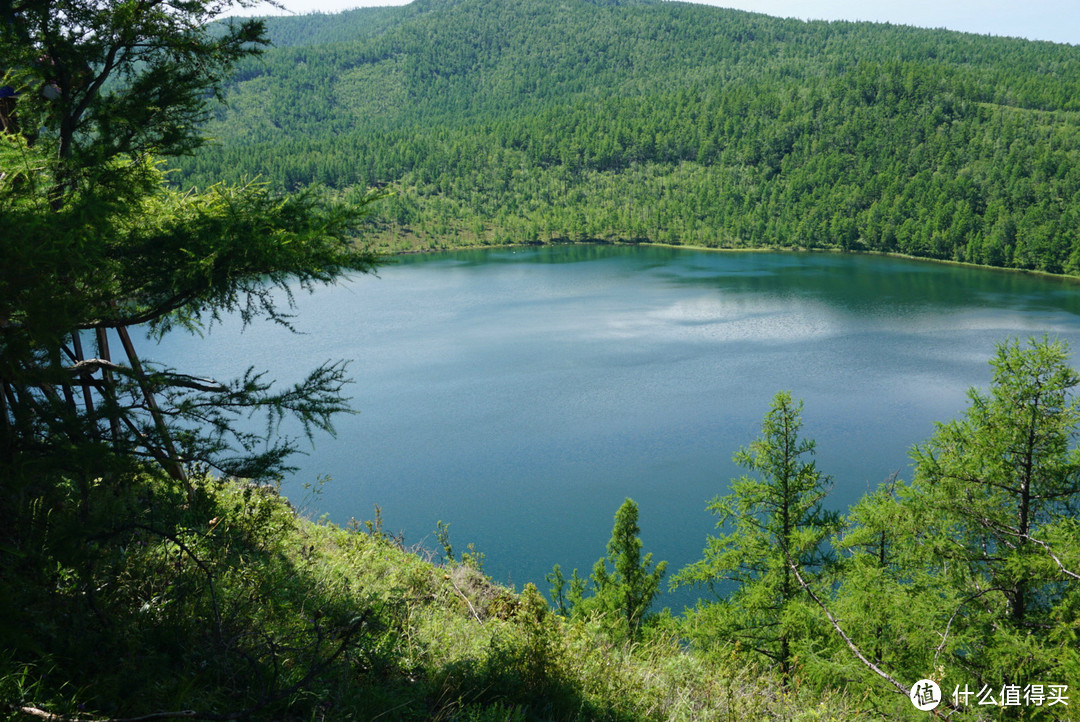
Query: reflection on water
[[521, 394]]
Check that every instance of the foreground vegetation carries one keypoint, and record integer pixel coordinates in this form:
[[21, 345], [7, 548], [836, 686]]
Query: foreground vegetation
[[233, 607], [969, 574]]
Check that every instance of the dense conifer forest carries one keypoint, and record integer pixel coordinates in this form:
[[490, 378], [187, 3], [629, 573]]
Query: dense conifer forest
[[493, 121]]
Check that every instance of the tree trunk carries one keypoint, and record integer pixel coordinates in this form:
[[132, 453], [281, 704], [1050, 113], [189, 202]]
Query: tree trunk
[[172, 459]]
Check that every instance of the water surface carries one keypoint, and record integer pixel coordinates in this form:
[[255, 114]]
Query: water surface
[[521, 394]]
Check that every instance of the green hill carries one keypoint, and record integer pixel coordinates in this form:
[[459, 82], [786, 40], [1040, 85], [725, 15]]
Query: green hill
[[526, 121]]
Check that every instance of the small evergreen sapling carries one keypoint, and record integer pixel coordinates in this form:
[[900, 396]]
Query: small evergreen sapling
[[622, 594]]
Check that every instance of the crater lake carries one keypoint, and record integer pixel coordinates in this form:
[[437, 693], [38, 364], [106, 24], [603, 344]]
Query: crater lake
[[521, 394]]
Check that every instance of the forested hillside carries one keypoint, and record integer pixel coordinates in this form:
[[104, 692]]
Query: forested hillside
[[496, 121]]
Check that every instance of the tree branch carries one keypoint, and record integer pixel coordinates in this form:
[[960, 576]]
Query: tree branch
[[847, 640], [956, 611], [843, 635], [50, 717], [1053, 556]]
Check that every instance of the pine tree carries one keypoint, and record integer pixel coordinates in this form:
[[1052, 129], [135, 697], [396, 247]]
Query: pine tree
[[114, 448], [95, 243], [772, 521], [565, 600], [992, 492], [628, 589], [970, 574], [621, 594]]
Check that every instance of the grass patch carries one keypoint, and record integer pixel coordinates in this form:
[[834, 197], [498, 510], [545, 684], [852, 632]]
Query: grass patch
[[229, 605]]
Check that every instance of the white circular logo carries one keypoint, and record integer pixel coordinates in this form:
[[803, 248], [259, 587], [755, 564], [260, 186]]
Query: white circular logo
[[925, 695]]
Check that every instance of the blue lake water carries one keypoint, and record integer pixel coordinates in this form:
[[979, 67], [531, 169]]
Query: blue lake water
[[521, 394]]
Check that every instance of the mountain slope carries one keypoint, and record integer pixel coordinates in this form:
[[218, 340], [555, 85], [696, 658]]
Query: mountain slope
[[502, 121]]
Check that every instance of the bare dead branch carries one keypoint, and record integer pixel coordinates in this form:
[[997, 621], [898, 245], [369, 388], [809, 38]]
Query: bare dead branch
[[174, 468], [956, 611], [848, 640], [462, 595], [50, 717], [843, 635], [1053, 556]]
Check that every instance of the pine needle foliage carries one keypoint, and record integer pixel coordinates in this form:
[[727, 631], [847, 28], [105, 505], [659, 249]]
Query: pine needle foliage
[[771, 520], [96, 244]]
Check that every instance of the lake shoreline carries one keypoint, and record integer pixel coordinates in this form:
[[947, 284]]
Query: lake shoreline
[[748, 249]]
